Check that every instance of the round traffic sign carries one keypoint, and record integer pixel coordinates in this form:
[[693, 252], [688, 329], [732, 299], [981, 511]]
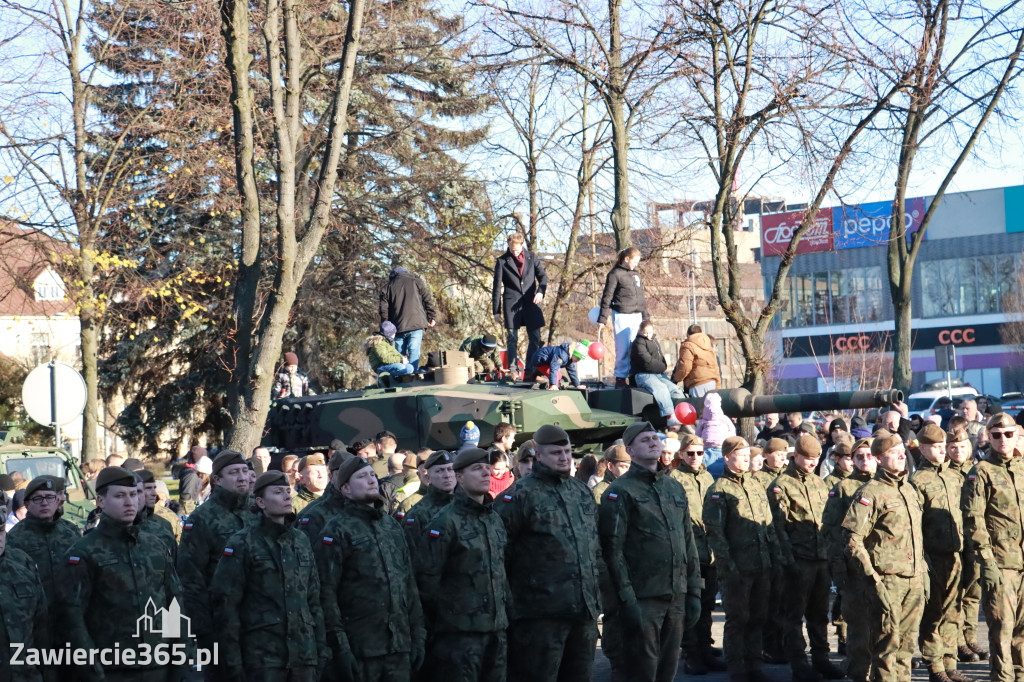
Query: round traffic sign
[[69, 391]]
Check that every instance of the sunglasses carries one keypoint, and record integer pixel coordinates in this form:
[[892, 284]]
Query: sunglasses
[[694, 452], [1003, 434]]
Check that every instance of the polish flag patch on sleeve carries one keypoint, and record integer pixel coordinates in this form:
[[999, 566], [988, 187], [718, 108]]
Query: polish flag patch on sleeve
[[715, 496], [971, 477], [865, 501], [74, 560], [304, 521], [409, 521], [328, 541], [831, 493], [508, 498], [435, 533], [777, 490], [613, 496], [187, 526], [228, 551]]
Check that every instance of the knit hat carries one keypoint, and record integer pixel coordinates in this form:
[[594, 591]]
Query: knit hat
[[489, 340], [808, 446], [777, 445], [732, 444], [439, 458], [114, 476], [268, 479], [930, 434], [291, 359], [883, 441], [337, 459], [349, 468], [671, 443], [226, 458], [549, 434], [634, 430], [470, 456], [837, 424], [388, 329], [204, 465], [470, 433], [580, 350], [316, 459], [958, 436], [617, 453]]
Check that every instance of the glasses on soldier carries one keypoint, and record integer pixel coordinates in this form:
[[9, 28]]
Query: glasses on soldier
[[1003, 434], [40, 499], [695, 452]]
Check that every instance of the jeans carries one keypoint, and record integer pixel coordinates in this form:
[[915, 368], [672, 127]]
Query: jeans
[[713, 461], [396, 369], [533, 335], [665, 393], [701, 389], [408, 344], [625, 327]]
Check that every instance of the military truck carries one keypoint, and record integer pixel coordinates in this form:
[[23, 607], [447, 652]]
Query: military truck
[[37, 460]]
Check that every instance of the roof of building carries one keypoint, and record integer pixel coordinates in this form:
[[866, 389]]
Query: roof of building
[[24, 255]]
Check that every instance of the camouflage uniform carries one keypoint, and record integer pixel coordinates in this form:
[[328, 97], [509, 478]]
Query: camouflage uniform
[[266, 603], [160, 528], [648, 544], [46, 543], [380, 465], [302, 498], [697, 640], [602, 485], [831, 481], [969, 596], [106, 585], [552, 563], [738, 519], [461, 574], [416, 519], [409, 502], [204, 535], [834, 478], [23, 617], [318, 512], [994, 527], [774, 626], [883, 537], [372, 613], [171, 518], [798, 502], [942, 525], [612, 644], [848, 583]]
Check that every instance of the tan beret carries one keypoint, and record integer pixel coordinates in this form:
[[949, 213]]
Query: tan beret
[[777, 445], [999, 420], [755, 451], [732, 444], [691, 439], [617, 453], [930, 434], [958, 436], [316, 459], [862, 443], [884, 441], [843, 446], [808, 446]]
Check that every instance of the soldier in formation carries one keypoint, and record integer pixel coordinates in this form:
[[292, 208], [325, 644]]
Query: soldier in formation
[[959, 451], [314, 516], [776, 457], [438, 493], [23, 611], [617, 463], [313, 479]]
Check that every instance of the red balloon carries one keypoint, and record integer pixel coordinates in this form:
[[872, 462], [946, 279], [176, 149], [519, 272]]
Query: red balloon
[[686, 414], [596, 350]]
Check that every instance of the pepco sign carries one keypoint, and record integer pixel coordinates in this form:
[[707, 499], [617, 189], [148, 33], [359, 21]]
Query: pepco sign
[[868, 224], [777, 231]]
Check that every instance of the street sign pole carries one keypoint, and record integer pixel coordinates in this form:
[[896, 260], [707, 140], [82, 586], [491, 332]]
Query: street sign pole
[[54, 421]]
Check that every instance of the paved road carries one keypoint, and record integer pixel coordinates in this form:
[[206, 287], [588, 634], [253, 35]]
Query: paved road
[[781, 673]]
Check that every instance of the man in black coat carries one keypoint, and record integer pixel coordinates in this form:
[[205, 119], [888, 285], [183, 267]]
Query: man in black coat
[[406, 302], [522, 275], [647, 363]]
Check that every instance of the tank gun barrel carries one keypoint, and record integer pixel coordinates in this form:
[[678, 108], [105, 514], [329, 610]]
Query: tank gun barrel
[[739, 402]]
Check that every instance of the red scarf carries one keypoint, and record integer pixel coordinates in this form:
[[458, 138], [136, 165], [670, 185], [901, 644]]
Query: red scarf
[[520, 261]]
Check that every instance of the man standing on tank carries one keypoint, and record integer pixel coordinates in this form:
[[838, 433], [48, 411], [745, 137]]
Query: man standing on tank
[[521, 274]]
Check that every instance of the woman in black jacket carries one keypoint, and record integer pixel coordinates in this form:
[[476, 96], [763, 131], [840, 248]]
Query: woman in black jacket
[[648, 364], [521, 274], [624, 302]]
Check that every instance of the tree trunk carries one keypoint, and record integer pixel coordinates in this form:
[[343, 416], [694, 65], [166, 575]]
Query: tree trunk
[[902, 374], [615, 100]]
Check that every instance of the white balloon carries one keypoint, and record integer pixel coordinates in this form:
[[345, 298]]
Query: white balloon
[[594, 315]]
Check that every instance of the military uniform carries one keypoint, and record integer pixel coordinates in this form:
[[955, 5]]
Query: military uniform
[[417, 518], [602, 485], [942, 526], [552, 565], [318, 512], [302, 499], [774, 626], [158, 527], [204, 536], [883, 536], [23, 617], [970, 587], [266, 603], [380, 465], [994, 528], [831, 481], [110, 579], [171, 518], [410, 501], [852, 588], [460, 569], [648, 544], [485, 358], [611, 626], [46, 543], [697, 640], [372, 613], [741, 534]]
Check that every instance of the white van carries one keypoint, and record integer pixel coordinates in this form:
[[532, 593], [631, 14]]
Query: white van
[[924, 403]]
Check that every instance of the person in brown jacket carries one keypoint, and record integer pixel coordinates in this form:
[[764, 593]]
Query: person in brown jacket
[[697, 366]]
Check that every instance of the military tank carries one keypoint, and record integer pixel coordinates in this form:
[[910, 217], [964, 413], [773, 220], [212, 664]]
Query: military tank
[[429, 413]]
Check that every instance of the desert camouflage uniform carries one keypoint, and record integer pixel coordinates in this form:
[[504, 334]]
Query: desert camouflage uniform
[[171, 518], [740, 530], [994, 526], [970, 586], [266, 603], [552, 563], [882, 531], [942, 525], [23, 617], [158, 527], [460, 569]]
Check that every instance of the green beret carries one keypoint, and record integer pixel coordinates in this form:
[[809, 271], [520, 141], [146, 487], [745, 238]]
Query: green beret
[[268, 479], [471, 456], [549, 434], [439, 458], [227, 458], [146, 475], [58, 482], [350, 467], [337, 459], [634, 430], [114, 476], [40, 483], [931, 434]]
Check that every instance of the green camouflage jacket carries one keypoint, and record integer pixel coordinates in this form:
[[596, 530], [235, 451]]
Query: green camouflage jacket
[[739, 523], [171, 518], [460, 569], [647, 537], [553, 553], [23, 618], [882, 528], [203, 537], [602, 485], [416, 519], [834, 478], [302, 499], [840, 498], [798, 503], [47, 542], [962, 469], [367, 584], [318, 512], [111, 578], [992, 507], [160, 528], [266, 600], [942, 521], [697, 484]]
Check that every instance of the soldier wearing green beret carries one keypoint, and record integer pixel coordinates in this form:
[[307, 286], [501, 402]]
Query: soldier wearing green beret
[[739, 523], [41, 535], [798, 498], [552, 561], [882, 532], [460, 569], [110, 579], [842, 460], [438, 493], [315, 515], [266, 595], [372, 615], [147, 520], [23, 613], [204, 535], [313, 479]]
